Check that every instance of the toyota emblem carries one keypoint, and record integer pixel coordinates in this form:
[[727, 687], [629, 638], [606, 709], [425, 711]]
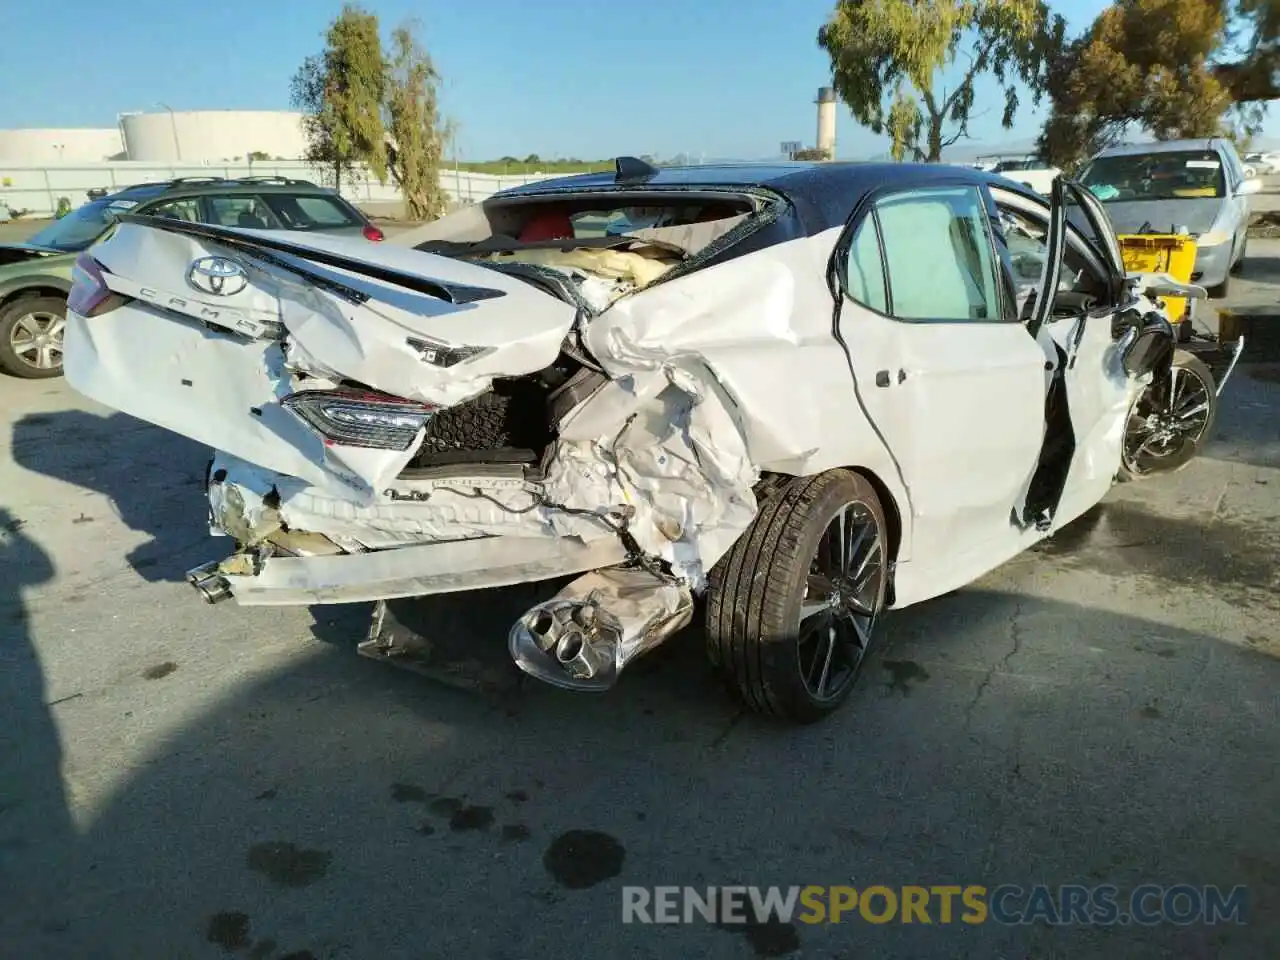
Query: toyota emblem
[[218, 276]]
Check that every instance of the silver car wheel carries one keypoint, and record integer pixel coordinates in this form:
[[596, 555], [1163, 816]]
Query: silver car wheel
[[36, 340]]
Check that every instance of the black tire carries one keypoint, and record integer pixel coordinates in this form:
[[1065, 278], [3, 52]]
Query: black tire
[[756, 591], [30, 312], [1194, 383]]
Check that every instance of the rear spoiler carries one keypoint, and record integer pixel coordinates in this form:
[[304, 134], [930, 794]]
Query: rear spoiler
[[261, 248]]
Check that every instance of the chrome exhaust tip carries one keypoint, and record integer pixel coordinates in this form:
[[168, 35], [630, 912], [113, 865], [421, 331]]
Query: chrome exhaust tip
[[564, 643], [209, 582], [583, 637]]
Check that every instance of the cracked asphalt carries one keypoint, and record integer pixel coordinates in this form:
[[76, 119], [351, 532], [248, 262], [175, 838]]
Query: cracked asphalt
[[184, 781]]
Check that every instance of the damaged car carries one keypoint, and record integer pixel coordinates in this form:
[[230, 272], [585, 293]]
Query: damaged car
[[784, 398]]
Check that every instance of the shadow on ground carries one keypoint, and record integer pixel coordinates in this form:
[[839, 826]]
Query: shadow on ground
[[1244, 429], [341, 809], [34, 815], [338, 808], [153, 479]]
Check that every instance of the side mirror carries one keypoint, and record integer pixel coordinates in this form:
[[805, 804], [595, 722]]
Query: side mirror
[[1249, 187]]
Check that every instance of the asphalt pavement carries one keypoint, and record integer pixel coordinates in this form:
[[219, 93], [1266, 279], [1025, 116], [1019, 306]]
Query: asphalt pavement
[[184, 781]]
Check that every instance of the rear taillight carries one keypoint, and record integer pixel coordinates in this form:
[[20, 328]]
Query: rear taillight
[[352, 419], [90, 295], [373, 233]]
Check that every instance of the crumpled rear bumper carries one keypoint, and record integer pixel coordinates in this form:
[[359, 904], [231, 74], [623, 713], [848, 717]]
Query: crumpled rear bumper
[[297, 545], [420, 570]]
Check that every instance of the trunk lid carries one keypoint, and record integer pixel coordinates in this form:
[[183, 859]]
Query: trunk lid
[[224, 324]]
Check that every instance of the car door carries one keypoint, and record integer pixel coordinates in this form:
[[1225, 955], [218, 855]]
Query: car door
[[1101, 393], [1089, 393], [945, 372]]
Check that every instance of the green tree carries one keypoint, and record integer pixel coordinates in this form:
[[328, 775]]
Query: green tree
[[889, 59], [340, 92], [811, 153], [1142, 63], [1248, 65], [413, 122]]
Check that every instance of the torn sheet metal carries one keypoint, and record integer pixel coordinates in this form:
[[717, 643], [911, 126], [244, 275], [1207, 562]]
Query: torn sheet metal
[[679, 462], [582, 638], [251, 504], [765, 339]]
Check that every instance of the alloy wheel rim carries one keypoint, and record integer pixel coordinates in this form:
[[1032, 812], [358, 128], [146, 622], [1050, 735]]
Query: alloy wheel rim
[[841, 602], [36, 339], [1159, 432]]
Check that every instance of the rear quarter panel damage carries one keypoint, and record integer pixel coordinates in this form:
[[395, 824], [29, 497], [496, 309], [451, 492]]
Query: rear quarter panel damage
[[752, 340]]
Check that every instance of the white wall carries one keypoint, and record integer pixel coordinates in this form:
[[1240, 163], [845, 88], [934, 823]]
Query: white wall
[[76, 145], [37, 188], [214, 136]]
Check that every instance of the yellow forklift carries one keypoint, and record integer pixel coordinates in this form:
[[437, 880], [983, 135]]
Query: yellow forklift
[[1171, 253]]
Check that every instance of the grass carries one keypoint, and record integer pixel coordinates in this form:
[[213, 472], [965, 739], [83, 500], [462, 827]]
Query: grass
[[512, 167]]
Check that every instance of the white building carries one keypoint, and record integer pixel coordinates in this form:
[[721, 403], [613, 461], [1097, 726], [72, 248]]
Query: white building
[[216, 136], [167, 136], [76, 145]]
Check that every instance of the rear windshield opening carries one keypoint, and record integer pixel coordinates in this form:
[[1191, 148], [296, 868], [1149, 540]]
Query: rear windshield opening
[[605, 245], [685, 224]]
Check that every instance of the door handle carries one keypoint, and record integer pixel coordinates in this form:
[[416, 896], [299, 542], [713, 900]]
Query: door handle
[[883, 378]]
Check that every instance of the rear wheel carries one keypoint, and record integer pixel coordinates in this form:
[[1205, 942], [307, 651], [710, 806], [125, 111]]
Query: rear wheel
[[792, 608], [1170, 421], [31, 330]]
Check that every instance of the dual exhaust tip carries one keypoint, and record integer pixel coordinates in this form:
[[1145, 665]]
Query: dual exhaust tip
[[568, 643], [582, 638], [208, 580]]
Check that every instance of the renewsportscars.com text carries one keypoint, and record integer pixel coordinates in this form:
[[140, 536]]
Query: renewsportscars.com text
[[1063, 905]]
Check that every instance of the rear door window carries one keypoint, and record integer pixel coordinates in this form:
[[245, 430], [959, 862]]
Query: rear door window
[[309, 212], [249, 212], [187, 209]]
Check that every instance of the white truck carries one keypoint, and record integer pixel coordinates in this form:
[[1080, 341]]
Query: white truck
[[1031, 171]]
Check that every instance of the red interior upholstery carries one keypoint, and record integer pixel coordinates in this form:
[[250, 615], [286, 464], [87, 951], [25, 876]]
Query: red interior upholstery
[[552, 225]]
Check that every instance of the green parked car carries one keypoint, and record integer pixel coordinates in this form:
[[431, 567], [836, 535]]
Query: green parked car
[[35, 276]]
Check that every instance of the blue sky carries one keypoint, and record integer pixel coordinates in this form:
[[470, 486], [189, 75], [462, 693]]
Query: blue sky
[[584, 78]]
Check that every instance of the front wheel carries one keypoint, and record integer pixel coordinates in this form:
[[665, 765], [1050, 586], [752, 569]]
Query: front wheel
[[792, 608], [1170, 420]]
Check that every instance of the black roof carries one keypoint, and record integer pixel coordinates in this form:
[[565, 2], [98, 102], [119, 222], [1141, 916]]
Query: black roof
[[824, 193], [785, 177]]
